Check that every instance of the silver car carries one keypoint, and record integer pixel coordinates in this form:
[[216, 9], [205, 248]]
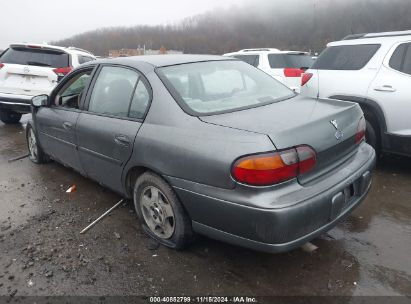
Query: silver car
[[208, 145]]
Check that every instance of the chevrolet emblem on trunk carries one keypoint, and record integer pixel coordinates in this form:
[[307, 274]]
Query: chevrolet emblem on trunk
[[339, 134], [334, 123]]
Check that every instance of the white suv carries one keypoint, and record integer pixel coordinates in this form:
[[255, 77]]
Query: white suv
[[285, 66], [373, 70], [27, 70]]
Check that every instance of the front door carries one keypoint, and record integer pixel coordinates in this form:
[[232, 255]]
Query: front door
[[106, 132], [56, 124]]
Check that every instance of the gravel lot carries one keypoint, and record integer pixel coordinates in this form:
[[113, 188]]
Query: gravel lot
[[42, 252]]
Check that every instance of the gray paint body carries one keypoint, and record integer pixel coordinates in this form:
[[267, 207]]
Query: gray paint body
[[195, 155]]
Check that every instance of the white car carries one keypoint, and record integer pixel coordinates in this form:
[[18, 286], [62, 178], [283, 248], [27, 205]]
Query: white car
[[27, 70], [373, 70], [285, 66]]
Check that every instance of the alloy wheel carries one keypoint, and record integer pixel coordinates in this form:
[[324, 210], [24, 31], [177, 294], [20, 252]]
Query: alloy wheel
[[157, 212], [32, 144]]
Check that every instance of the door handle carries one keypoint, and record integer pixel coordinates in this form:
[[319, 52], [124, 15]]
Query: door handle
[[67, 125], [121, 140], [385, 88]]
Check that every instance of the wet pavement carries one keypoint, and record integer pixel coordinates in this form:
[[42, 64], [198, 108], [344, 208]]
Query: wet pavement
[[42, 252]]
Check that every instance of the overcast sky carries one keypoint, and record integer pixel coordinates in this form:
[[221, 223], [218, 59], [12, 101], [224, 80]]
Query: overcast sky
[[44, 20]]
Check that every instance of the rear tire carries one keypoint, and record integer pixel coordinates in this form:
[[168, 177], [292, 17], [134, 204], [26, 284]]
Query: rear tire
[[371, 136], [161, 213], [9, 117], [37, 155]]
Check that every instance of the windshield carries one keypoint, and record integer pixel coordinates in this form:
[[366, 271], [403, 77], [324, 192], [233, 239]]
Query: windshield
[[37, 57], [221, 86]]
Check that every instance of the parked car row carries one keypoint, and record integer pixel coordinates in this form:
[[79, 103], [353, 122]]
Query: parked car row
[[285, 66], [27, 70], [373, 70]]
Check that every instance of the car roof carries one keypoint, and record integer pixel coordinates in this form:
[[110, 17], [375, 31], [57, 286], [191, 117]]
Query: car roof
[[265, 51], [161, 60], [374, 38], [45, 46]]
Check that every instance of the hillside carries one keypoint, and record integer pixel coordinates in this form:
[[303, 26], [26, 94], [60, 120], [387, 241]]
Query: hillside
[[293, 24]]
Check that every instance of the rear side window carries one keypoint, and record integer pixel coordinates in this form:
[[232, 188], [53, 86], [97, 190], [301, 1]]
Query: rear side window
[[346, 57], [294, 61], [140, 101], [83, 59], [36, 57], [254, 60], [277, 61], [401, 58], [113, 91]]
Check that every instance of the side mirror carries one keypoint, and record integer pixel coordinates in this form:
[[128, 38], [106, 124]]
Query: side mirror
[[40, 101]]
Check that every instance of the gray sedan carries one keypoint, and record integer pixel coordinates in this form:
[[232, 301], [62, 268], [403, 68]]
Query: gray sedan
[[208, 145]]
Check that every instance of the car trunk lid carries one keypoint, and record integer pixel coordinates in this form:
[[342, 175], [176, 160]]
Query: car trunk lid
[[29, 70], [302, 121], [26, 79]]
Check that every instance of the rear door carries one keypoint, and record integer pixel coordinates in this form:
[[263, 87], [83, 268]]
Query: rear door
[[343, 70], [391, 88], [116, 106], [56, 124], [29, 70]]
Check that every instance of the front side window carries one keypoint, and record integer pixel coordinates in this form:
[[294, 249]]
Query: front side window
[[221, 86], [346, 57], [69, 96], [113, 91]]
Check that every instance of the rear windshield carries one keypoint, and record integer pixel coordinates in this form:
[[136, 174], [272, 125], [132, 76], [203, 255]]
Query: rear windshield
[[213, 87], [37, 57], [346, 57], [295, 61], [254, 60]]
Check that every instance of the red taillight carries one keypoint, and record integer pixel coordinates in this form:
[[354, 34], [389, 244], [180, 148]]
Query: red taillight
[[273, 168], [291, 72], [360, 135], [62, 71], [306, 78], [1, 65]]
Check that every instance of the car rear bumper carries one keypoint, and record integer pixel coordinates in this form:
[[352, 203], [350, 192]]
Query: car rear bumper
[[17, 103], [281, 218]]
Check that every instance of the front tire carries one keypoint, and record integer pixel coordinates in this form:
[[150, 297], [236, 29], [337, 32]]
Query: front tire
[[9, 117], [37, 155], [161, 213]]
